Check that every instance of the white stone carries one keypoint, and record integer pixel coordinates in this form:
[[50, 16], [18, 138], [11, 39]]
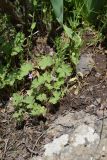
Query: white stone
[[104, 148], [83, 133], [56, 146]]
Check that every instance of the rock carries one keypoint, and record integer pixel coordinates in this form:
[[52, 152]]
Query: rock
[[65, 120], [56, 146], [85, 135], [85, 65], [60, 124], [92, 107], [97, 75], [80, 143], [98, 100]]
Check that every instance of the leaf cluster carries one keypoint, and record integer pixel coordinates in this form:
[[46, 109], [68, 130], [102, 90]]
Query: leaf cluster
[[47, 88]]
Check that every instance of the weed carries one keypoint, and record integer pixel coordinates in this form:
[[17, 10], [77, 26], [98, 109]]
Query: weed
[[41, 82], [47, 88]]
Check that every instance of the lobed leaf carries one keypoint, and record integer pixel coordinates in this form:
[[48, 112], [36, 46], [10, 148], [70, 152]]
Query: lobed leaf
[[45, 61]]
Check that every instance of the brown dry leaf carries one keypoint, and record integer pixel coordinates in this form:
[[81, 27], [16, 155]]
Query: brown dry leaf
[[35, 74], [2, 110], [76, 91], [73, 79]]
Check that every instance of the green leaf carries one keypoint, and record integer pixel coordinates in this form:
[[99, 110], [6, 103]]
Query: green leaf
[[37, 110], [45, 62], [49, 86], [58, 9], [17, 99], [38, 81], [33, 25], [41, 97], [3, 72], [58, 84], [18, 115], [35, 83], [29, 100], [30, 15], [68, 31], [11, 78], [78, 41], [29, 92], [56, 97], [74, 58], [35, 2], [24, 70], [47, 77], [16, 50], [41, 79], [18, 43], [91, 9], [64, 70]]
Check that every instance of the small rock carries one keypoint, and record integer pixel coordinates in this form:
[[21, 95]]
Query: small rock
[[85, 133], [65, 120], [56, 146], [85, 65], [103, 106], [106, 51], [103, 149], [98, 100], [91, 107], [79, 115], [103, 86], [97, 75], [82, 97]]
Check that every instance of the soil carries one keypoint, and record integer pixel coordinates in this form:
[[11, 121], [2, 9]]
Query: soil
[[24, 142]]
